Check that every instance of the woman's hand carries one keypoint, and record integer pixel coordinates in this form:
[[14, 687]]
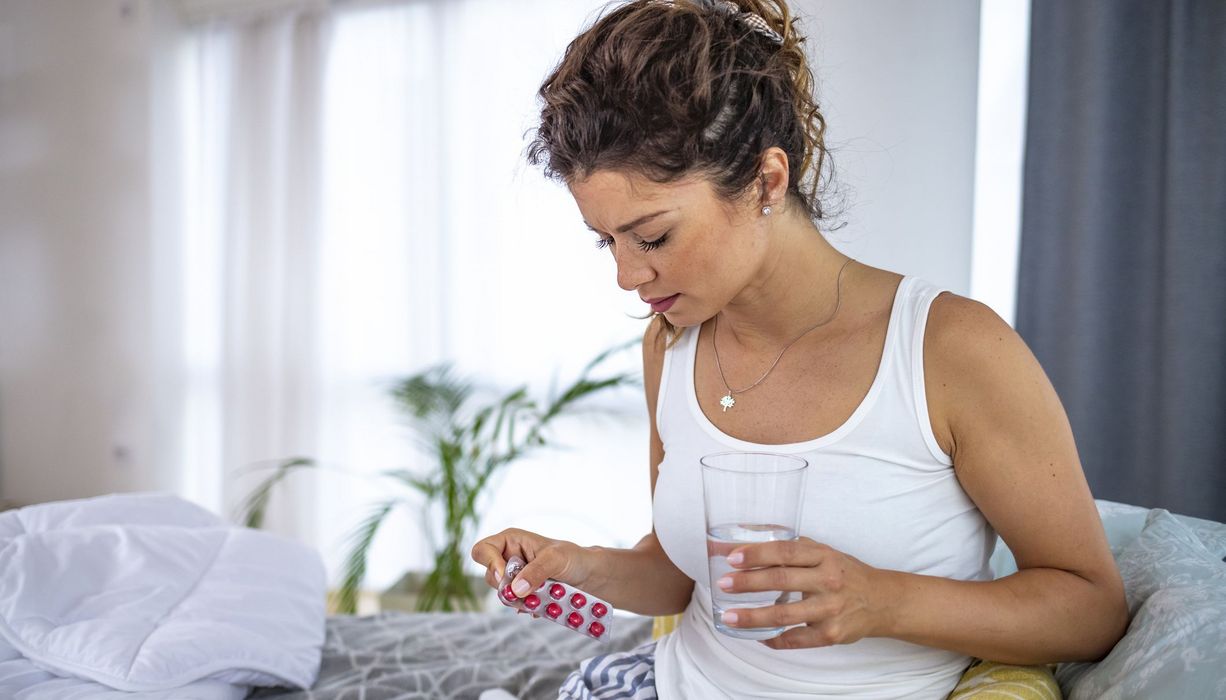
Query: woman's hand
[[546, 558], [842, 600]]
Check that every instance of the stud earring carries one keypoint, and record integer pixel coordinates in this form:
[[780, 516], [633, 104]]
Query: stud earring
[[766, 211]]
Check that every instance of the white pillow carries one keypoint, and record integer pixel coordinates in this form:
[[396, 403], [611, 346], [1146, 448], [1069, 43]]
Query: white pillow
[[1175, 646]]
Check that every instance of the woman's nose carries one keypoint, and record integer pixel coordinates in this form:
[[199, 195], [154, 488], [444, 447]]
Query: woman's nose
[[632, 271]]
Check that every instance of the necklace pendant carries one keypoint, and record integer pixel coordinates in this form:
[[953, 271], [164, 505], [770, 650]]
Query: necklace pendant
[[727, 402]]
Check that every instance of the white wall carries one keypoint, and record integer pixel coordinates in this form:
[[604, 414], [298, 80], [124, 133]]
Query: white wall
[[77, 332], [897, 84], [82, 226]]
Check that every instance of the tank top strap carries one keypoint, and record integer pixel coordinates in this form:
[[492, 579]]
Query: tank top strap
[[907, 360]]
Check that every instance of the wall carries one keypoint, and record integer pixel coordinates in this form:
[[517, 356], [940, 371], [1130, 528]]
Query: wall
[[897, 82], [77, 331]]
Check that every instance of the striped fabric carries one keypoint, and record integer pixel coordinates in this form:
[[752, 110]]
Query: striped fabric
[[627, 675]]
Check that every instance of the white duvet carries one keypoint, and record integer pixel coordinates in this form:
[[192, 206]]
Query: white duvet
[[150, 594]]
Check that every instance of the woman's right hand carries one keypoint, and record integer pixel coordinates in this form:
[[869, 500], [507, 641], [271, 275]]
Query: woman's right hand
[[546, 559]]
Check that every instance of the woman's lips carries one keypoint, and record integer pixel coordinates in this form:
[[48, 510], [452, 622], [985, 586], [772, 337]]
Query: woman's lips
[[661, 305]]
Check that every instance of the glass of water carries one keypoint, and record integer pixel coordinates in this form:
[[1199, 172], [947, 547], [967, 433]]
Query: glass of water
[[749, 497]]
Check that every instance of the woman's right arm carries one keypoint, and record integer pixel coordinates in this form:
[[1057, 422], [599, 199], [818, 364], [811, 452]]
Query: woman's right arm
[[641, 579]]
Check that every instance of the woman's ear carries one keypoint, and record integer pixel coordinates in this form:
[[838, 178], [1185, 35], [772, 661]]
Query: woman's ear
[[773, 178]]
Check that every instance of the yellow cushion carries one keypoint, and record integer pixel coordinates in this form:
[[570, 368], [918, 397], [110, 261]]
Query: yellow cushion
[[663, 625], [984, 680], [988, 680]]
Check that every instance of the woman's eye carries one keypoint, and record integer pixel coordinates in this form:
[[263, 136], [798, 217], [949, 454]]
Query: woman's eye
[[603, 242], [652, 245]]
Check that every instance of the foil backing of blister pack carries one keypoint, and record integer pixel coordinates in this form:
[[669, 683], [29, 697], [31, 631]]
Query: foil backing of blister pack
[[559, 602]]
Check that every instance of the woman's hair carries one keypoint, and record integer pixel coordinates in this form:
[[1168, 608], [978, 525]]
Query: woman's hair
[[669, 89]]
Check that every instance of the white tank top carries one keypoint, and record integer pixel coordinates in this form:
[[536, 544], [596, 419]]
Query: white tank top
[[879, 488]]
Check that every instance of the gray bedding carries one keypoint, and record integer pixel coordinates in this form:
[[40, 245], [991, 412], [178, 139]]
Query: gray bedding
[[403, 656]]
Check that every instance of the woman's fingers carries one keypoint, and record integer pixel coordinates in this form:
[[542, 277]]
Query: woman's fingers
[[550, 562], [784, 615], [544, 559], [798, 552], [774, 578], [488, 553]]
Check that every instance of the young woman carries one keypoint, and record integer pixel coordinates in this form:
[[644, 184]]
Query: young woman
[[689, 137]]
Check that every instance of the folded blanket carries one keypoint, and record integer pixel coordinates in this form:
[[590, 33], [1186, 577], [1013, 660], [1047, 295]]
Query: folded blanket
[[147, 592]]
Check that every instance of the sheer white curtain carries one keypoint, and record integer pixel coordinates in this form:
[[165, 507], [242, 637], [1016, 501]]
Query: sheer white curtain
[[359, 209], [253, 242]]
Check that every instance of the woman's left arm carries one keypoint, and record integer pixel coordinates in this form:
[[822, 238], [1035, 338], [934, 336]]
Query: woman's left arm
[[1013, 452], [997, 415]]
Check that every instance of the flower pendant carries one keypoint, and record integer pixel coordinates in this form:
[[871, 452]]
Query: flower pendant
[[727, 402]]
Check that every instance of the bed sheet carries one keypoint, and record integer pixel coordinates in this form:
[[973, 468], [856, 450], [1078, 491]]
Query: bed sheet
[[446, 656]]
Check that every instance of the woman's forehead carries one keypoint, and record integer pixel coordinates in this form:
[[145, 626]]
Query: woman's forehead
[[607, 187]]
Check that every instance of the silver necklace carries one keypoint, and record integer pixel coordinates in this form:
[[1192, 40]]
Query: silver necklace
[[727, 401]]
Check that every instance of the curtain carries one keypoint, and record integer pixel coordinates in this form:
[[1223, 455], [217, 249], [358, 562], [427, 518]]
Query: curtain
[[1121, 291], [359, 209], [253, 255]]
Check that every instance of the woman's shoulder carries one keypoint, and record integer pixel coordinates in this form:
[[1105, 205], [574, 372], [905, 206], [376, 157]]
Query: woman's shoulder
[[957, 324], [972, 358]]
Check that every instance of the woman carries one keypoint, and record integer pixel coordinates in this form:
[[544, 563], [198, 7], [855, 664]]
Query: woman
[[688, 135]]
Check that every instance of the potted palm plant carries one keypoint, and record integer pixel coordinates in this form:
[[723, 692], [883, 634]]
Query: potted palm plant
[[468, 440]]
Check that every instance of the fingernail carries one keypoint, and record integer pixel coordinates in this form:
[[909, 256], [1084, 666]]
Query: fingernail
[[728, 618], [497, 575], [520, 587], [736, 558], [725, 582]]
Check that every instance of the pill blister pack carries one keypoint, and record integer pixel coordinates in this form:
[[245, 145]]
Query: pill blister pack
[[558, 602]]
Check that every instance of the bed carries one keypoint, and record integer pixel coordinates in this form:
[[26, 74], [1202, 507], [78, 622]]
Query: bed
[[405, 656]]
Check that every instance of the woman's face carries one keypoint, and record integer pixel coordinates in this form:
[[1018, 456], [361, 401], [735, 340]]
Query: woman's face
[[675, 242]]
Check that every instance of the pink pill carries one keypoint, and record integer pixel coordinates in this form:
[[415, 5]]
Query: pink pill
[[557, 591], [509, 594], [574, 619], [553, 610], [532, 602], [578, 600], [599, 610], [596, 629]]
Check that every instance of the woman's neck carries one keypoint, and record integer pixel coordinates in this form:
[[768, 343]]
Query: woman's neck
[[795, 289]]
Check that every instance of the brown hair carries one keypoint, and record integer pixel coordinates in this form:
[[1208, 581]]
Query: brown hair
[[673, 88]]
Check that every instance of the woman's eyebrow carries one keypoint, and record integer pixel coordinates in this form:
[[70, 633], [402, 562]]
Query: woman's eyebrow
[[637, 222]]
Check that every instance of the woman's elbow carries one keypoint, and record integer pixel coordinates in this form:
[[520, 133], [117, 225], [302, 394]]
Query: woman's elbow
[[1113, 619]]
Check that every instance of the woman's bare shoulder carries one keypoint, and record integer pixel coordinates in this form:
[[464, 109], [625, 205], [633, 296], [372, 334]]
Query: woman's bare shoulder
[[972, 358]]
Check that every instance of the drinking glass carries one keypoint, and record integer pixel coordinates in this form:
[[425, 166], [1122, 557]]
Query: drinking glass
[[749, 497]]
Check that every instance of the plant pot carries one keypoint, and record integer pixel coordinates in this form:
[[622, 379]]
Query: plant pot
[[404, 593]]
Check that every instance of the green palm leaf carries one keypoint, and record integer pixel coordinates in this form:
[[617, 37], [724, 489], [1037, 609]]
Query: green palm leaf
[[468, 436], [253, 508], [359, 546]]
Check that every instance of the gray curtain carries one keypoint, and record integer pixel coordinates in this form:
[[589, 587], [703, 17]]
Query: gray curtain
[[1122, 270]]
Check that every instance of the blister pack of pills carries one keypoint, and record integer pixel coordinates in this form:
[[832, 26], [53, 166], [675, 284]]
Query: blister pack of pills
[[559, 602]]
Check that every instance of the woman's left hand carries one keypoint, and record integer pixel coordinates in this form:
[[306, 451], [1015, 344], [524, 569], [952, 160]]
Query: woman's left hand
[[842, 600]]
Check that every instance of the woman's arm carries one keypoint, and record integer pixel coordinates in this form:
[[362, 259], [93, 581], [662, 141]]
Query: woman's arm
[[996, 413], [641, 579]]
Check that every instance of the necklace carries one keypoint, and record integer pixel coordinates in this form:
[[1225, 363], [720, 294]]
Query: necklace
[[727, 401]]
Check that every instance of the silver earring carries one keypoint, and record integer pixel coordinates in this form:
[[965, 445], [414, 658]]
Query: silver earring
[[766, 211]]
